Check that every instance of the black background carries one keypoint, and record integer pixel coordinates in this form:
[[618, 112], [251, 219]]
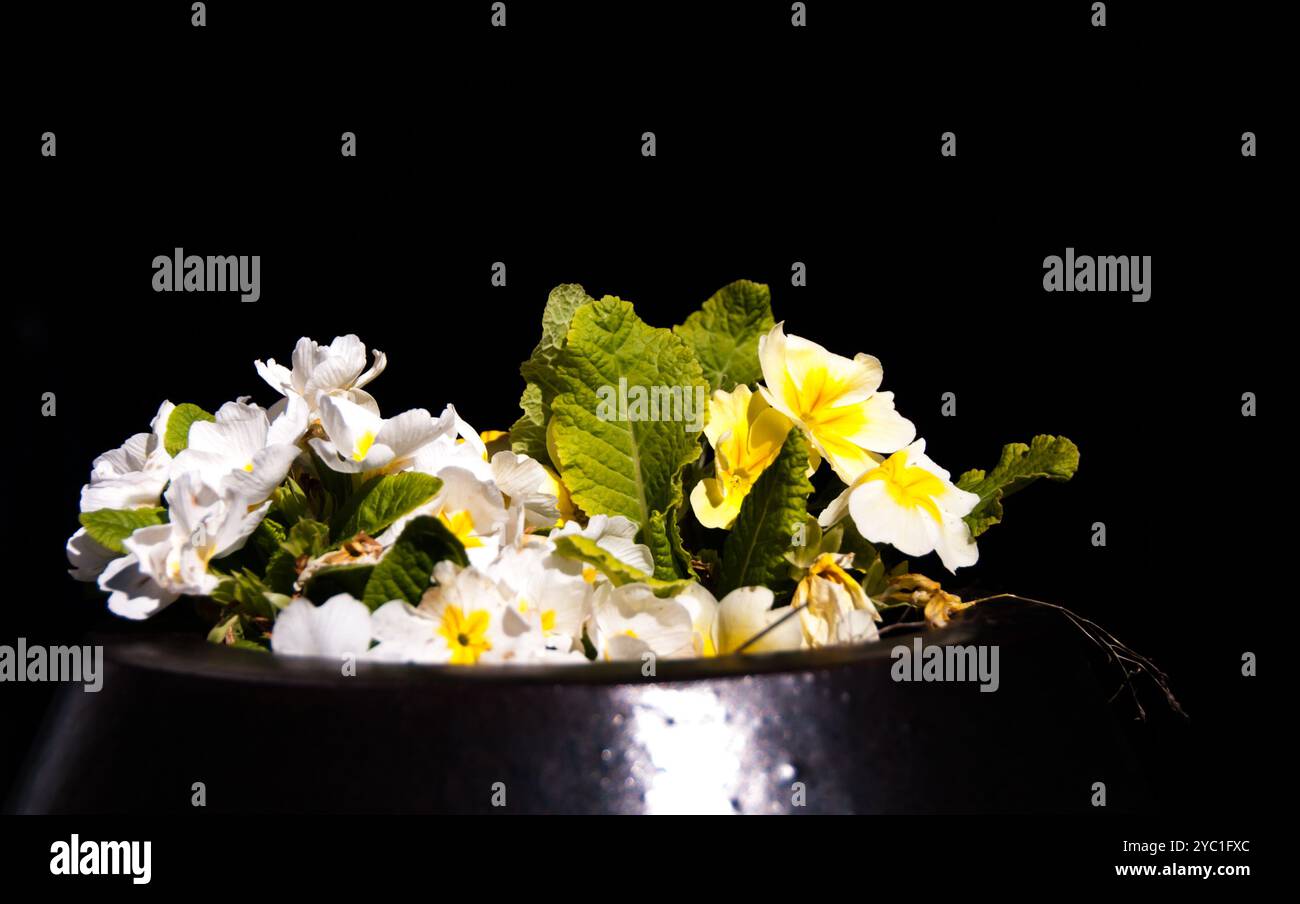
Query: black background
[[775, 145]]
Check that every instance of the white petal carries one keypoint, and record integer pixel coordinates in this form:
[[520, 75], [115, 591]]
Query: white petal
[[746, 611], [885, 430], [346, 423], [290, 422], [377, 368], [625, 648], [956, 546], [305, 355], [836, 509], [270, 467], [142, 488], [125, 459], [664, 624], [159, 426], [407, 432], [398, 622], [339, 627], [628, 552], [912, 531], [235, 437], [339, 368], [87, 558], [277, 376], [132, 593]]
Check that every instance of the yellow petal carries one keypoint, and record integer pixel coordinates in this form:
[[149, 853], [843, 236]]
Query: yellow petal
[[714, 507]]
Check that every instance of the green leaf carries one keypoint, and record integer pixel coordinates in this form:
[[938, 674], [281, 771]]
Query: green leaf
[[680, 552], [561, 304], [873, 580], [528, 435], [382, 500], [630, 467], [777, 504], [724, 333], [864, 552], [663, 536], [586, 550], [1053, 457], [657, 538], [404, 571], [282, 571], [267, 537], [306, 538], [245, 592], [227, 631], [109, 527], [334, 579], [290, 502], [177, 435]]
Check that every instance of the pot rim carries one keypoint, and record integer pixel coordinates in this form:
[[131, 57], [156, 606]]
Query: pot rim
[[182, 654]]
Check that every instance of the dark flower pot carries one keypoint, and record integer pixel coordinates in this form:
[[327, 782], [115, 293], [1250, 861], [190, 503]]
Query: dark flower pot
[[823, 732]]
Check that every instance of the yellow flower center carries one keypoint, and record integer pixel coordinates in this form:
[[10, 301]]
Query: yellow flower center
[[467, 636], [909, 487], [548, 616], [363, 446], [462, 525]]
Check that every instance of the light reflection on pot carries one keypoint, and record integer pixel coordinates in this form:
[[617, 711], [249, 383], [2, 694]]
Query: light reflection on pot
[[693, 753]]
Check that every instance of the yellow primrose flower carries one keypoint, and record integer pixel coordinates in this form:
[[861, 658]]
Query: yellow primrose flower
[[833, 400], [746, 434]]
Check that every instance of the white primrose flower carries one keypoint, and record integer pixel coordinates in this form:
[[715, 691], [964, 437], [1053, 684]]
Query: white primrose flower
[[134, 474], [130, 476], [339, 627], [630, 621], [547, 588], [86, 556], [747, 611], [243, 449], [617, 536], [525, 481], [322, 371], [471, 509], [517, 477], [360, 441], [457, 447], [167, 561], [703, 608], [910, 503], [466, 618]]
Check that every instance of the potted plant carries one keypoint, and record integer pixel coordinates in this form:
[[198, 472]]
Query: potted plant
[[679, 581]]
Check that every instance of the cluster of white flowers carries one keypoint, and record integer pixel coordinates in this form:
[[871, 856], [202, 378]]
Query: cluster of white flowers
[[516, 600]]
